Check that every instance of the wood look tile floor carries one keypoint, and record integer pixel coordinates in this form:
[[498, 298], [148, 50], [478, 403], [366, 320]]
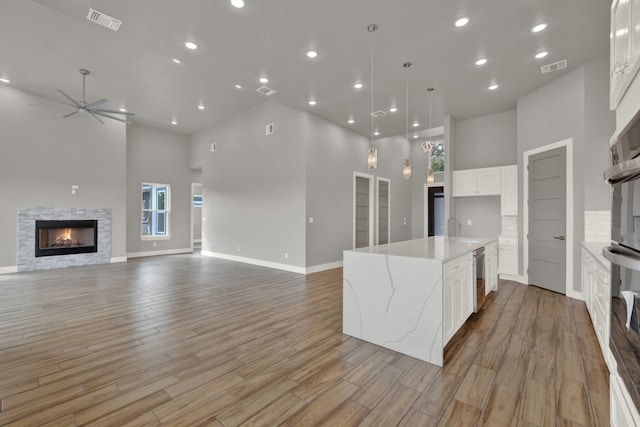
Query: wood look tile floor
[[188, 340]]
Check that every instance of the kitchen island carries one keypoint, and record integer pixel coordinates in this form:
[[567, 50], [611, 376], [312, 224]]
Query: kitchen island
[[412, 296]]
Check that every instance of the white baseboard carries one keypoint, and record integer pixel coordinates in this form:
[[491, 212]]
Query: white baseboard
[[9, 269], [575, 294], [513, 277], [162, 252], [118, 259], [259, 262], [323, 267]]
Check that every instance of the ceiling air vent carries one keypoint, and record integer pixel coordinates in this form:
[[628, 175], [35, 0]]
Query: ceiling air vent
[[554, 67], [378, 113], [267, 91], [103, 19]]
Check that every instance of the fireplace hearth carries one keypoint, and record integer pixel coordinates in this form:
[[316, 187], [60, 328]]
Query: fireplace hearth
[[66, 237]]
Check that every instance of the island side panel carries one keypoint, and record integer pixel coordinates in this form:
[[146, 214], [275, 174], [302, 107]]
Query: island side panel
[[394, 302]]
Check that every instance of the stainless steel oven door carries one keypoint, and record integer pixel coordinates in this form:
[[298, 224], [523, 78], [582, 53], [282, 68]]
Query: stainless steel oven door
[[625, 203], [624, 335]]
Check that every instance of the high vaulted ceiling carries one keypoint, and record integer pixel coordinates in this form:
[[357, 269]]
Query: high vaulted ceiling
[[43, 44]]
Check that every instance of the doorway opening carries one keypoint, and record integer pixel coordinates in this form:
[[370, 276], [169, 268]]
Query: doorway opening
[[363, 212], [435, 214], [196, 216]]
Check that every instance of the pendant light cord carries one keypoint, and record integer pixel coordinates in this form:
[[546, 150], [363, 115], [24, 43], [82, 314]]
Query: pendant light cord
[[371, 111]]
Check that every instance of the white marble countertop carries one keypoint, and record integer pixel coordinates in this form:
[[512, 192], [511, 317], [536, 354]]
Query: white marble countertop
[[595, 249], [436, 248]]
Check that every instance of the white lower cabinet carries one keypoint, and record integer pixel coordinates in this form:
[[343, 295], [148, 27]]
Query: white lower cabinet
[[508, 256], [491, 268], [596, 290], [457, 294], [622, 410]]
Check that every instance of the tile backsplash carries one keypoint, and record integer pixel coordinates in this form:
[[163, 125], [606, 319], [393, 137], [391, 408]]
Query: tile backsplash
[[509, 226], [597, 226]]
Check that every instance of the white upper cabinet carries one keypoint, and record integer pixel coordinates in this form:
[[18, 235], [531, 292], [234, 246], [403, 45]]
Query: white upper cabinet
[[476, 182], [625, 47], [509, 190]]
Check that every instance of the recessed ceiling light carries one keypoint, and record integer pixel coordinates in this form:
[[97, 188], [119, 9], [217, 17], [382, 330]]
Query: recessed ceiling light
[[174, 122], [415, 136], [200, 107], [176, 60], [312, 54], [312, 102], [376, 133], [393, 109], [539, 28], [416, 124], [238, 87], [358, 85], [3, 80], [238, 4], [191, 45], [351, 121], [493, 86], [481, 61], [263, 80], [542, 54], [124, 110], [462, 22]]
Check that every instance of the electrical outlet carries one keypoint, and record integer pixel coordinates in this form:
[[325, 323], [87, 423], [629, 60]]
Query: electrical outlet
[[286, 255], [269, 129], [214, 147], [155, 244], [468, 222], [238, 248], [404, 221], [310, 220]]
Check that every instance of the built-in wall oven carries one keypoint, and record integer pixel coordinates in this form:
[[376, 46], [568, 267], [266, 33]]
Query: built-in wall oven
[[624, 254]]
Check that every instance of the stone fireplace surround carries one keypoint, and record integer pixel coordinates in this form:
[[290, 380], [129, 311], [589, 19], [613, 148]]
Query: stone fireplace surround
[[26, 259]]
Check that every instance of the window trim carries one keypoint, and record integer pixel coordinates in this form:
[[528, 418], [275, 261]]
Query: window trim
[[167, 211]]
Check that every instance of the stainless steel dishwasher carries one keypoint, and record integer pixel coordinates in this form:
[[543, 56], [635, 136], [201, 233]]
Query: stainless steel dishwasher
[[478, 279]]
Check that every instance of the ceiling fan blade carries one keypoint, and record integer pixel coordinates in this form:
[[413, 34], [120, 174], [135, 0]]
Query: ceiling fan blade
[[99, 113], [47, 98], [75, 104], [100, 110], [94, 116], [96, 103], [70, 114]]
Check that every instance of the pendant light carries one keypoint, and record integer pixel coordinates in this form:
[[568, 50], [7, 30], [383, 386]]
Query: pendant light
[[372, 158], [406, 167]]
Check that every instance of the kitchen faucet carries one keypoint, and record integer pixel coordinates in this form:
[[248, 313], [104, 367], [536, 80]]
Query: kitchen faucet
[[456, 220]]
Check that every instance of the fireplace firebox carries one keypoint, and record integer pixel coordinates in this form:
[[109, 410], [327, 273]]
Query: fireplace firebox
[[66, 237]]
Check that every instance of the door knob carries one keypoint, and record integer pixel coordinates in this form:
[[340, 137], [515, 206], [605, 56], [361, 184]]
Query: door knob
[[558, 237]]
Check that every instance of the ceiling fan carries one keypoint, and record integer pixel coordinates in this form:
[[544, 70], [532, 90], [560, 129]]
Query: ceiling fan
[[83, 106]]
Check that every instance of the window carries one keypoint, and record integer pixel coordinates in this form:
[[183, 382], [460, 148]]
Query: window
[[156, 205], [437, 156], [197, 201]]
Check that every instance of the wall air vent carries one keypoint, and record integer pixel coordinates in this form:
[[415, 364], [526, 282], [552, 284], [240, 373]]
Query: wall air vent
[[267, 91], [104, 19], [378, 113], [554, 67]]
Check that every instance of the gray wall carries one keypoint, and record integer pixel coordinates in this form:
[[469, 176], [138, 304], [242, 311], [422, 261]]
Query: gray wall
[[158, 156], [481, 142], [570, 107], [333, 154], [486, 141], [42, 155], [254, 185], [600, 124]]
